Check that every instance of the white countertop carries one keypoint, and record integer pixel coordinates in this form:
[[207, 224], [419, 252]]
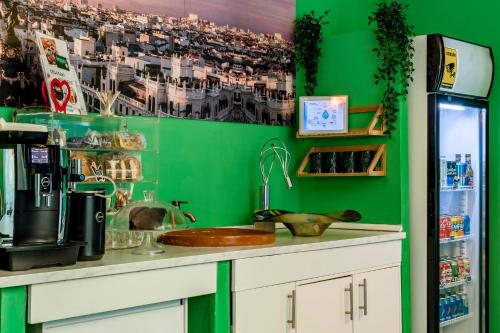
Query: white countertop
[[123, 261]]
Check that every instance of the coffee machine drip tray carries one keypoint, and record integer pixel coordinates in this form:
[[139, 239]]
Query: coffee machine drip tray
[[20, 258]]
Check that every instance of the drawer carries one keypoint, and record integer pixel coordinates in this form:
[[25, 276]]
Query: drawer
[[167, 317], [75, 298], [283, 268]]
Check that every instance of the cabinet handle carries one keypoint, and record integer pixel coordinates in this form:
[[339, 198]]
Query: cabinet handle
[[351, 301], [293, 297], [364, 307]]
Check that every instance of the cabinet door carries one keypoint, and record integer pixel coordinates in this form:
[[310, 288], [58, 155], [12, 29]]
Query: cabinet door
[[325, 306], [378, 298], [147, 319], [264, 310]]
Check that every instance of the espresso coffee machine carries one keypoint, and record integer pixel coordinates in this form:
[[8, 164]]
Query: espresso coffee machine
[[37, 194], [32, 183]]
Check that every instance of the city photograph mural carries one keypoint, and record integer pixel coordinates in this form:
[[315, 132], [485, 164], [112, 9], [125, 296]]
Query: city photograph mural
[[220, 60]]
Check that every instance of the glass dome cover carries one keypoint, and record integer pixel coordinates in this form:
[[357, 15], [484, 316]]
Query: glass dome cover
[[148, 214]]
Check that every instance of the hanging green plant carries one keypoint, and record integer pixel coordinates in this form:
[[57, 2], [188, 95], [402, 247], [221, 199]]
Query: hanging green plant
[[395, 54], [308, 36]]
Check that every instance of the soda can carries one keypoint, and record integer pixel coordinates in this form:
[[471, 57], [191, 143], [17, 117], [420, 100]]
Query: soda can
[[466, 225], [461, 269], [454, 269]]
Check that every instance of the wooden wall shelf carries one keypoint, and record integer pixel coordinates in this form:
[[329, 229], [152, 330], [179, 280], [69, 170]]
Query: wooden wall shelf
[[377, 167], [375, 127]]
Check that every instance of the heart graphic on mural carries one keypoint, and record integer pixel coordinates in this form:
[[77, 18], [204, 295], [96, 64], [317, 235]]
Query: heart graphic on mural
[[59, 96]]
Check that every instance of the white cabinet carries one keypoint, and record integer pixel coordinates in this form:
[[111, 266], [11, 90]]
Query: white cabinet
[[379, 301], [323, 306], [362, 303], [345, 290], [264, 310]]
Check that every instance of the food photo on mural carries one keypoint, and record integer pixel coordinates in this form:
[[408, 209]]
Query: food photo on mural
[[220, 60]]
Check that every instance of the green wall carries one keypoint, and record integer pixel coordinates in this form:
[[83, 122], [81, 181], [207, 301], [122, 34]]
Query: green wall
[[346, 67], [215, 166]]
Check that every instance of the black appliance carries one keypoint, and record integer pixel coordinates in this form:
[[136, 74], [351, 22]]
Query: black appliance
[[37, 194], [85, 217], [31, 201]]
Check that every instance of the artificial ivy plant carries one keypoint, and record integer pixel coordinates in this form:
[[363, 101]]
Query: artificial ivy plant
[[395, 53], [308, 36]]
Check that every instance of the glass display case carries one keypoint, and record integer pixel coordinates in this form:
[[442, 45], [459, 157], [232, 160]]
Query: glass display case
[[123, 148]]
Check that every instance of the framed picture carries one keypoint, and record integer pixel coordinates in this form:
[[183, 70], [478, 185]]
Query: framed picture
[[323, 115]]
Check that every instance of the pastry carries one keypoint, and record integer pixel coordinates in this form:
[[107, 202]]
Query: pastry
[[128, 140]]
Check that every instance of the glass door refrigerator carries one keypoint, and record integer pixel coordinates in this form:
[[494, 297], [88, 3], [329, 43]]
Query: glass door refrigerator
[[457, 228], [448, 149]]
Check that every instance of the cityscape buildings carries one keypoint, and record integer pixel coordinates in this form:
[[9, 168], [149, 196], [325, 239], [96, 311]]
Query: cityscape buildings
[[167, 66]]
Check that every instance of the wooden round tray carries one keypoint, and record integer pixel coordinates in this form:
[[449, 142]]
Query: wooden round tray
[[213, 237]]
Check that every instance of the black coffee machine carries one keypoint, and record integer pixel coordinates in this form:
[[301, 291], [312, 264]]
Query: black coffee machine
[[37, 194], [32, 181]]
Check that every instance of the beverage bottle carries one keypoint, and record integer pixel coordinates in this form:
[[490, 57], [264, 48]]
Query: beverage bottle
[[447, 270], [448, 309], [454, 269], [465, 304], [460, 228], [467, 264], [451, 173], [453, 306], [466, 225], [461, 269], [442, 227], [459, 168], [443, 171], [469, 172], [459, 311], [442, 309]]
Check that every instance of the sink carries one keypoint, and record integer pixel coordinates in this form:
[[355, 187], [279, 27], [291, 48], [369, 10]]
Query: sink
[[214, 237]]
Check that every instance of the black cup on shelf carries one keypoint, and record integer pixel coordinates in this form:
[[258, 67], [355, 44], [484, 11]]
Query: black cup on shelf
[[349, 162], [329, 162], [366, 159], [363, 160], [315, 163]]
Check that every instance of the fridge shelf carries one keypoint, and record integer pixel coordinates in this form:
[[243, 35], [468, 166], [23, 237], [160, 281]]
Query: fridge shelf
[[455, 320], [454, 284], [455, 239], [457, 189]]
